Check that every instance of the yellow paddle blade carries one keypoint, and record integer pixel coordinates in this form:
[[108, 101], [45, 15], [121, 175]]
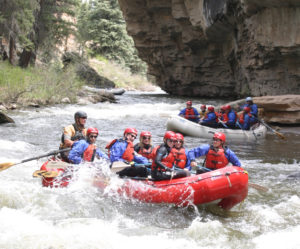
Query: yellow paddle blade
[[45, 173], [4, 166], [279, 135]]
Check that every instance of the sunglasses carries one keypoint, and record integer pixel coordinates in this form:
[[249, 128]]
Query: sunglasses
[[84, 117], [217, 140], [93, 136], [172, 141], [132, 135], [178, 141], [146, 138]]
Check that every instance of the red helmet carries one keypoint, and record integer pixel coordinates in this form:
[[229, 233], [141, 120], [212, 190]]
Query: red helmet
[[227, 107], [210, 108], [130, 130], [180, 137], [203, 107], [247, 109], [92, 130], [145, 134], [170, 135], [221, 136], [189, 102], [223, 108]]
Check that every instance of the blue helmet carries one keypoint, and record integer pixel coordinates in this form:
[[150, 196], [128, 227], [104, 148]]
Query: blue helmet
[[248, 99]]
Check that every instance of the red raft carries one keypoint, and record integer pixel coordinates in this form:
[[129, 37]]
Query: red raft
[[227, 186]]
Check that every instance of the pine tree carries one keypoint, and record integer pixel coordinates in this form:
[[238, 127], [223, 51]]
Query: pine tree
[[101, 23]]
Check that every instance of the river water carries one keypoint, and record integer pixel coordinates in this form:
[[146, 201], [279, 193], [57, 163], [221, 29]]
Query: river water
[[83, 217]]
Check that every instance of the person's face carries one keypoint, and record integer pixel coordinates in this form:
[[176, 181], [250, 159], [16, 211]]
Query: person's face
[[170, 143], [93, 137], [146, 140], [217, 143], [188, 106], [178, 144], [82, 121], [130, 137]]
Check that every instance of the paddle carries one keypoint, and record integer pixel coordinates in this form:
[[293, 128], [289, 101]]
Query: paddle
[[45, 173], [253, 185], [271, 129], [7, 165], [119, 165], [223, 123]]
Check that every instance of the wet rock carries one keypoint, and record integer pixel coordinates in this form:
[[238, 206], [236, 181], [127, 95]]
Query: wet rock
[[5, 119]]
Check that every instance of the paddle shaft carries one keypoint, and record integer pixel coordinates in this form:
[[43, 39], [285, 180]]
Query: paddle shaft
[[4, 166], [271, 129], [223, 123], [45, 155]]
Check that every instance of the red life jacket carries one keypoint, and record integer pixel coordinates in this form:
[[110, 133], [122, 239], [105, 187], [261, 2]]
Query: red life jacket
[[128, 154], [89, 153], [180, 157], [145, 152], [216, 159], [167, 161], [224, 117], [189, 113]]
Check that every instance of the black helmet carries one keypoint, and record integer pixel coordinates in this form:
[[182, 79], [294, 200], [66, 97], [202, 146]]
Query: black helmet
[[80, 114]]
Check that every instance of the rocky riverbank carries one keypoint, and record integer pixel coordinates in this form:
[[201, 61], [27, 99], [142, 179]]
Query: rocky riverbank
[[84, 97]]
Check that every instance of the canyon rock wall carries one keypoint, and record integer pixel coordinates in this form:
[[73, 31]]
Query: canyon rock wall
[[218, 48]]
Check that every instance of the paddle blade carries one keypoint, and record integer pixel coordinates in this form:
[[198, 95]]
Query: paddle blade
[[4, 166], [258, 187], [45, 173], [280, 135]]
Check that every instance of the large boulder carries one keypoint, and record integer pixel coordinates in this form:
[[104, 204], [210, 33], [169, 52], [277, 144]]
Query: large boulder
[[218, 48], [282, 109]]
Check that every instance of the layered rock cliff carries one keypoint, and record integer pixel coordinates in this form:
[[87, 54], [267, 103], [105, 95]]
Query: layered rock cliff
[[218, 48]]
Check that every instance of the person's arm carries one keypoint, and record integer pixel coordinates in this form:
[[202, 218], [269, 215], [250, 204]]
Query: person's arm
[[140, 159], [101, 154], [117, 151], [75, 155], [188, 161], [232, 158], [197, 152], [182, 112], [67, 135], [254, 110]]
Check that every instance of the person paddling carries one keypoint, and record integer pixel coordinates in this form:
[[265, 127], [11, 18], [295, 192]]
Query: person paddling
[[86, 150], [217, 154], [164, 158], [253, 110], [190, 112], [72, 133], [123, 150]]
